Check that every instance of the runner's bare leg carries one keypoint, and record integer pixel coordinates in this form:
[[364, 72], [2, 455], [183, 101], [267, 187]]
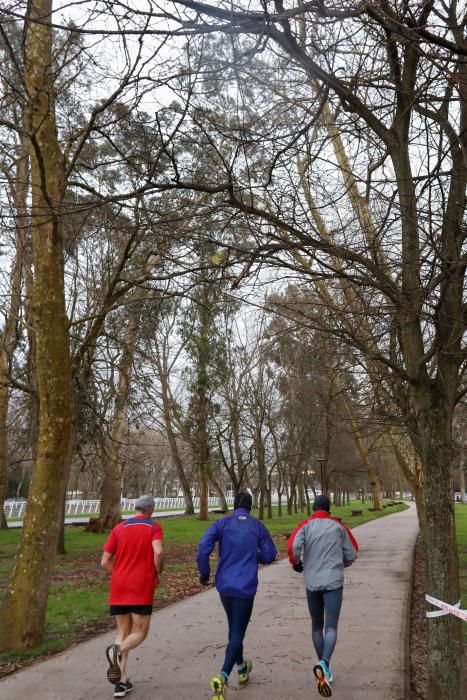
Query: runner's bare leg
[[123, 630], [138, 632]]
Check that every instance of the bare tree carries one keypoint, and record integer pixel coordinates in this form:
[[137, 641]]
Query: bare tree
[[396, 76]]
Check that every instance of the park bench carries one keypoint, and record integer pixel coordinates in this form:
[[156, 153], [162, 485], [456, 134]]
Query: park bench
[[356, 512]]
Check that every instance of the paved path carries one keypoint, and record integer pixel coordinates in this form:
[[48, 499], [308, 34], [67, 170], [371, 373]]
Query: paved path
[[186, 643]]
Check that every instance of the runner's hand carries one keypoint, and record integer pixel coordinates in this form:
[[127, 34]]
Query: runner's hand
[[204, 580], [298, 567]]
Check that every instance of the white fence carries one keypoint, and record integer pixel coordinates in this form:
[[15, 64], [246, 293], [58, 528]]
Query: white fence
[[17, 509]]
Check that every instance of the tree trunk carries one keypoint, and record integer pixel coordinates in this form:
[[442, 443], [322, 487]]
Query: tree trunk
[[61, 533], [111, 492], [336, 495], [201, 447], [201, 438], [262, 472], [269, 496], [26, 601], [3, 440], [373, 478], [414, 475], [218, 488], [444, 633], [241, 466], [174, 451], [462, 483], [307, 498], [279, 493], [111, 489], [301, 493], [111, 486], [203, 491], [255, 492]]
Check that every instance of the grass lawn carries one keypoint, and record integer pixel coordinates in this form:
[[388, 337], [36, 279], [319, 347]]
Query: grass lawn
[[78, 598]]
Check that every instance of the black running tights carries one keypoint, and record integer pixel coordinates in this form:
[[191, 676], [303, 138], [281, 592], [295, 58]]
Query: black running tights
[[238, 611]]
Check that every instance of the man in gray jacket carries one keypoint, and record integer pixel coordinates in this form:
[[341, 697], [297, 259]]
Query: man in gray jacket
[[321, 547]]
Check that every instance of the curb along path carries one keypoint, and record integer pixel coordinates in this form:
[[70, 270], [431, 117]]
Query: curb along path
[[186, 643]]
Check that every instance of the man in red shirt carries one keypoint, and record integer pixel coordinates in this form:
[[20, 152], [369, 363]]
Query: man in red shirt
[[134, 556]]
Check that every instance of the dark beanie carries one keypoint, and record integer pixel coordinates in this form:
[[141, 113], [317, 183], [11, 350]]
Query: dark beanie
[[322, 503], [243, 500]]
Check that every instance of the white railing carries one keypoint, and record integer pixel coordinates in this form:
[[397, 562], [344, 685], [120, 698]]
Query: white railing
[[175, 503], [17, 509]]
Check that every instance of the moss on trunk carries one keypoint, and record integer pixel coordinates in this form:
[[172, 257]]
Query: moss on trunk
[[26, 599]]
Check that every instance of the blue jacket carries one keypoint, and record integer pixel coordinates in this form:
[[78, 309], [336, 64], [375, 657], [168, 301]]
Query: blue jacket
[[244, 542]]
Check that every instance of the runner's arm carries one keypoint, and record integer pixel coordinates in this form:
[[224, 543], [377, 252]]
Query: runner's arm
[[107, 561], [206, 546], [267, 551], [110, 549], [348, 550], [296, 543], [159, 558]]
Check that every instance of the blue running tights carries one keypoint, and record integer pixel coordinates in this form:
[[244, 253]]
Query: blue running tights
[[324, 607]]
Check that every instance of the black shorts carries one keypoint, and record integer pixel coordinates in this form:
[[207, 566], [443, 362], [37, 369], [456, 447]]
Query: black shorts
[[126, 609]]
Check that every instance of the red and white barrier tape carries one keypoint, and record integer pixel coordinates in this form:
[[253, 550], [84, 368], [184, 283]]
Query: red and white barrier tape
[[446, 609]]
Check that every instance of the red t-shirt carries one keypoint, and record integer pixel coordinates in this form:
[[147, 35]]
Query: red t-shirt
[[134, 578]]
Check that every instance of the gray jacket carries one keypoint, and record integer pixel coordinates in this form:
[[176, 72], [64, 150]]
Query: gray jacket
[[326, 547]]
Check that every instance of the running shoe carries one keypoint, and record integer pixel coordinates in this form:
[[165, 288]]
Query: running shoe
[[114, 655], [244, 672], [320, 670], [219, 687], [327, 670], [121, 689]]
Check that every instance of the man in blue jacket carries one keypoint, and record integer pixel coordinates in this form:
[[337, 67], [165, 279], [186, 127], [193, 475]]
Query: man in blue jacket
[[244, 542]]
